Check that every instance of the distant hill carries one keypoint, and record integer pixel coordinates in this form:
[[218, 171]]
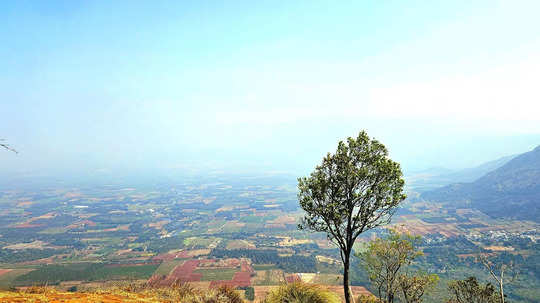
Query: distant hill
[[436, 177], [510, 191]]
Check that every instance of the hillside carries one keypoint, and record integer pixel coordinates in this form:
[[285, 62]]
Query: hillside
[[510, 191], [430, 179]]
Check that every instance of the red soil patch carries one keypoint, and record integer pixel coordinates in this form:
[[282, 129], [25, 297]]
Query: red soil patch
[[3, 271], [180, 274], [293, 278], [184, 272]]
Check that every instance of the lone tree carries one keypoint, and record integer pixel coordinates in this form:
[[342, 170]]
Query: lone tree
[[352, 191]]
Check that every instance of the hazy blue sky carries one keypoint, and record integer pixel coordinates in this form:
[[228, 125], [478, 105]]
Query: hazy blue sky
[[98, 86]]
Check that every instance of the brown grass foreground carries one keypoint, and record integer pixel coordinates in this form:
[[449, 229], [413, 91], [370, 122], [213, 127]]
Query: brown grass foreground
[[297, 292], [130, 294]]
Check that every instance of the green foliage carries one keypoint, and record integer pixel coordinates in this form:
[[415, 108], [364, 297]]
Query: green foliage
[[299, 292], [250, 293], [13, 256], [414, 287], [353, 190], [227, 294], [470, 291], [386, 260]]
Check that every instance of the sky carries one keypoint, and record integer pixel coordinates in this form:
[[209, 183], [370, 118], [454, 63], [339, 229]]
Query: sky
[[141, 87]]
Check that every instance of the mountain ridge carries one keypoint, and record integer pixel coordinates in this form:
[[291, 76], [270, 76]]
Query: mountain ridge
[[510, 191]]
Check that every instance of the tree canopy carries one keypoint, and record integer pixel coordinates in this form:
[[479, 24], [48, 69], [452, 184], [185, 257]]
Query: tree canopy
[[353, 190], [386, 261]]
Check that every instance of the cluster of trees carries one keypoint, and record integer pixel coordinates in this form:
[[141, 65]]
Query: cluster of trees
[[22, 255], [470, 291], [388, 262], [54, 274]]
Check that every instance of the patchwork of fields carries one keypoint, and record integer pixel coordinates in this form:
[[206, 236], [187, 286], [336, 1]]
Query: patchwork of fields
[[237, 232]]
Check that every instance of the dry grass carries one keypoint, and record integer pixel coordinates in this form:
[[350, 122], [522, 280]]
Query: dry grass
[[129, 293], [299, 292]]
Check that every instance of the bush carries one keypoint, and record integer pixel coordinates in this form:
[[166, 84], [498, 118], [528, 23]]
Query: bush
[[299, 292], [250, 293], [229, 295]]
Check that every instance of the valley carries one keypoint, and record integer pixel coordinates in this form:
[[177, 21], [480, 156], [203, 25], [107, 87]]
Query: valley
[[239, 231]]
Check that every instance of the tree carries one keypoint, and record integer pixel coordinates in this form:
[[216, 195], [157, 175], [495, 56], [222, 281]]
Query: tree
[[250, 293], [386, 261], [6, 146], [470, 291], [414, 287], [352, 191], [497, 273]]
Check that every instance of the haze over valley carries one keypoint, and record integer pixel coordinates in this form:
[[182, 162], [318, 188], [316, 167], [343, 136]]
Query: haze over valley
[[257, 152]]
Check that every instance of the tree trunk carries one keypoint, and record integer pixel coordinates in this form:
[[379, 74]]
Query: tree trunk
[[346, 289], [501, 290]]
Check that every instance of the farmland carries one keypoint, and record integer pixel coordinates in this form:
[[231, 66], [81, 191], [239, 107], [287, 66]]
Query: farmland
[[231, 231]]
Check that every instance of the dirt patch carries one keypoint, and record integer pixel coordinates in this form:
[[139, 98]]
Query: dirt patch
[[499, 248], [31, 245]]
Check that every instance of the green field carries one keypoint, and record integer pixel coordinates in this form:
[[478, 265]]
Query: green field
[[53, 274], [264, 266], [6, 280], [166, 267]]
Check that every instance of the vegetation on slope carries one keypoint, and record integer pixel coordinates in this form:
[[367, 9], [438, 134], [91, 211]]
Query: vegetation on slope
[[179, 293], [299, 292], [511, 191]]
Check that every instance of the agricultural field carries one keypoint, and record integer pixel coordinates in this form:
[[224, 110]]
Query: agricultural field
[[224, 231]]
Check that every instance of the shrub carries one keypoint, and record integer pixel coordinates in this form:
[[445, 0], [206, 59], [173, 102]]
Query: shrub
[[299, 292], [228, 295], [250, 293]]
